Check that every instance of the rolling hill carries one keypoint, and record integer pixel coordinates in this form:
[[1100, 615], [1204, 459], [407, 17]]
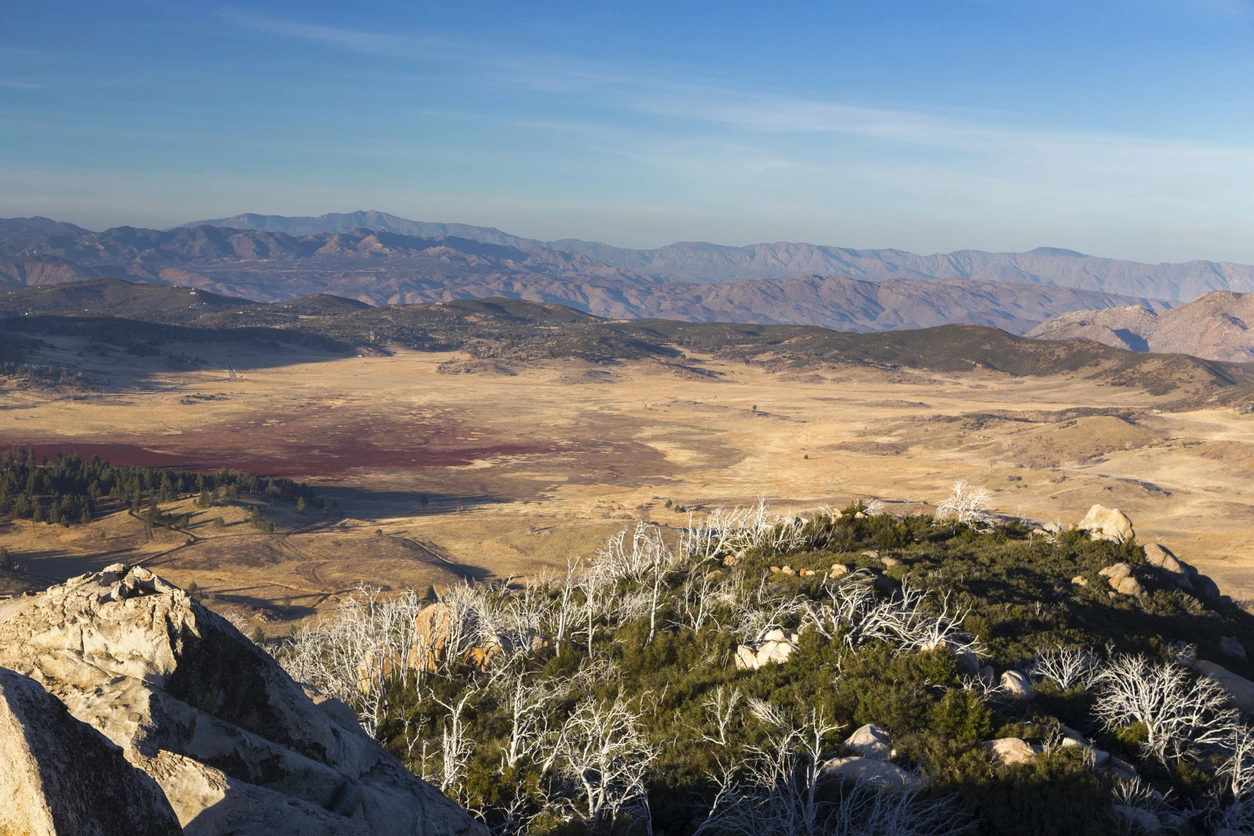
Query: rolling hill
[[512, 332]]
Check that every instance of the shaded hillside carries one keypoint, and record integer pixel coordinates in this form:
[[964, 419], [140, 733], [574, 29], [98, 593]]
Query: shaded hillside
[[516, 332], [114, 297], [705, 262], [1215, 326]]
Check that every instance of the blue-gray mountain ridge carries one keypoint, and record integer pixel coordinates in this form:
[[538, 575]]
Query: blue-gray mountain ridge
[[704, 262]]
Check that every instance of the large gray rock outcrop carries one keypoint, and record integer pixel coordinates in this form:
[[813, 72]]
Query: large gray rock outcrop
[[1008, 751], [235, 744], [61, 777], [1016, 686], [1239, 689], [871, 771], [1162, 557], [1104, 523], [871, 741]]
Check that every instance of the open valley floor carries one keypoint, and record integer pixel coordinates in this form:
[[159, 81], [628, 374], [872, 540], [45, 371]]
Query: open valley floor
[[433, 478]]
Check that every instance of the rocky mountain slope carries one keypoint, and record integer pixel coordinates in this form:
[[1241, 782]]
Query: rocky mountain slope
[[704, 262], [852, 305], [235, 745], [1215, 326], [380, 267]]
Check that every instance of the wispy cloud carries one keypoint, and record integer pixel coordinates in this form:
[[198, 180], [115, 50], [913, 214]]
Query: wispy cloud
[[11, 84], [344, 38]]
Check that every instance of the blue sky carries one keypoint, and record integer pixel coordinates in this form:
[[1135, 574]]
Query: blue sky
[[1113, 127]]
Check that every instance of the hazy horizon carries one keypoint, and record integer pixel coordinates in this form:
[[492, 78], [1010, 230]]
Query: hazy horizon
[[835, 245], [1111, 128]]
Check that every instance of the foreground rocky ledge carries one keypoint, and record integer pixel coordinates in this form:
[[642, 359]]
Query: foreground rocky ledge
[[234, 744], [58, 775]]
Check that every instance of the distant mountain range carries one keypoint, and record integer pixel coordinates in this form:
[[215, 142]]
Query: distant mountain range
[[1216, 326], [702, 262], [381, 267]]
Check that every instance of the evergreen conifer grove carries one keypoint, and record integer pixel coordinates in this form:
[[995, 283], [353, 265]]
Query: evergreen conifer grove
[[70, 489]]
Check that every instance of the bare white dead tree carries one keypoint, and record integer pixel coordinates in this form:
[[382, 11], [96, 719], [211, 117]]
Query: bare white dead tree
[[591, 606], [527, 699], [729, 531], [642, 559], [700, 594], [354, 652], [567, 607], [603, 754], [773, 791], [777, 791], [1233, 799], [1066, 667], [966, 506], [721, 713], [455, 746], [764, 611], [1237, 769], [989, 689], [1180, 711], [636, 555], [473, 620], [910, 623], [849, 599], [1135, 804], [522, 619]]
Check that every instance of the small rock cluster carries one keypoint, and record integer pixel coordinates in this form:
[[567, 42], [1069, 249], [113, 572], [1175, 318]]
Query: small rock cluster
[[871, 764], [774, 649], [1113, 525], [1121, 580]]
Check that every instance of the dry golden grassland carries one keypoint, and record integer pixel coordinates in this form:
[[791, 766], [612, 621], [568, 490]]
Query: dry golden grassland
[[523, 472]]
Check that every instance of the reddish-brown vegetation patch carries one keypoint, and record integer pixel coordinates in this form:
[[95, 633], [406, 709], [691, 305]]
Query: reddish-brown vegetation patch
[[328, 457]]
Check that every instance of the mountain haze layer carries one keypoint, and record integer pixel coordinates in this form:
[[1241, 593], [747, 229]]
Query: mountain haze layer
[[704, 262], [379, 267]]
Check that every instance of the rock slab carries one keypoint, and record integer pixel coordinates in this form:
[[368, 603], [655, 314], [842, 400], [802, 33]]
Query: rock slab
[[876, 773], [61, 777]]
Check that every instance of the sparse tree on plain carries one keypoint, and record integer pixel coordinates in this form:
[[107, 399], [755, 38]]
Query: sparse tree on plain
[[967, 506]]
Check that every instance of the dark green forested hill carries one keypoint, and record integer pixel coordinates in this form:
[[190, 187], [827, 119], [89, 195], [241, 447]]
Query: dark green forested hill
[[853, 673]]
